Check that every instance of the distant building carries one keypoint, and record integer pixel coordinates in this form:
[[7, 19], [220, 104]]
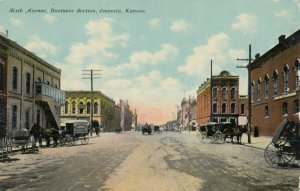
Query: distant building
[[116, 124], [224, 106], [78, 105], [126, 115], [275, 86], [186, 113], [29, 89]]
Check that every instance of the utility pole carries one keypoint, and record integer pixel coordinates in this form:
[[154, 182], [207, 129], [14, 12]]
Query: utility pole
[[91, 74], [249, 119]]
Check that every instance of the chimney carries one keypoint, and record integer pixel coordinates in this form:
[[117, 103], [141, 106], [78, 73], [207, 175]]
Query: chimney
[[281, 38], [257, 56]]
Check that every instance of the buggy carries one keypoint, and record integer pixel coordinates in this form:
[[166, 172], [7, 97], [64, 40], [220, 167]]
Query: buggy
[[146, 129], [73, 131], [285, 146], [210, 131]]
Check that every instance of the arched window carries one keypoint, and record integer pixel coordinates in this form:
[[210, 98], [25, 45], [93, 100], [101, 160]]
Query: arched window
[[215, 108], [266, 111], [224, 108], [14, 117], [73, 107], [275, 83], [88, 108], [285, 108], [80, 107], [297, 74], [28, 82], [1, 74], [215, 92], [296, 106], [286, 78], [233, 93], [66, 107], [266, 85], [258, 89], [96, 107], [15, 78], [224, 95], [232, 108]]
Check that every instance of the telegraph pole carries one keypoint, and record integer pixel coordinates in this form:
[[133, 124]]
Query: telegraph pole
[[249, 119], [91, 74]]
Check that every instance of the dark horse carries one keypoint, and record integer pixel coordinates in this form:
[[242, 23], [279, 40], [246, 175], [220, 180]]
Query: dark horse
[[237, 132], [39, 133]]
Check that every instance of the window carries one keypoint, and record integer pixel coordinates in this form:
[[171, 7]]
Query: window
[[214, 92], [1, 74], [39, 79], [27, 82], [286, 78], [252, 91], [266, 111], [232, 108], [48, 82], [285, 108], [266, 85], [224, 108], [242, 108], [27, 118], [14, 117], [232, 93], [214, 108], [15, 78], [73, 107], [80, 108], [258, 89], [296, 106], [96, 106], [88, 108], [297, 74], [275, 83], [66, 107], [224, 93]]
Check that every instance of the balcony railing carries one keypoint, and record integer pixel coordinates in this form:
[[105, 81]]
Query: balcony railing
[[46, 90]]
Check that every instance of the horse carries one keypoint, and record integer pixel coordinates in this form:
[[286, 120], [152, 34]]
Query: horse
[[35, 132], [39, 133], [231, 132]]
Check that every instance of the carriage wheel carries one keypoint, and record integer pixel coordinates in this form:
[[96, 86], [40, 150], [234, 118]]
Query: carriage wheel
[[219, 137], [85, 140], [278, 156], [202, 137]]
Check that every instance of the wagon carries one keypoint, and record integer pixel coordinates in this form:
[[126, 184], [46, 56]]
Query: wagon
[[210, 131], [73, 131], [284, 148], [21, 138]]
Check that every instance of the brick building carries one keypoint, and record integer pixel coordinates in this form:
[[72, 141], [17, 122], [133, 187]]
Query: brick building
[[29, 89], [224, 91], [275, 86]]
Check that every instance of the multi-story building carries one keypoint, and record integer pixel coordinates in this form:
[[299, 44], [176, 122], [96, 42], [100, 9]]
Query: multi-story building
[[275, 86], [224, 106], [78, 105], [126, 116], [29, 89], [116, 124], [186, 113]]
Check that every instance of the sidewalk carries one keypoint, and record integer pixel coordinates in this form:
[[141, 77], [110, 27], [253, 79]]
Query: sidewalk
[[260, 142]]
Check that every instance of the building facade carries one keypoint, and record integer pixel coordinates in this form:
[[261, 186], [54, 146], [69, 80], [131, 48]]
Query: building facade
[[78, 105], [126, 116], [186, 113], [218, 99], [29, 89], [275, 86]]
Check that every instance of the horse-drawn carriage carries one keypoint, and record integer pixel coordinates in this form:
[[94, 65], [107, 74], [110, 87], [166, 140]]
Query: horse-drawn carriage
[[285, 146], [73, 131], [210, 131], [146, 129]]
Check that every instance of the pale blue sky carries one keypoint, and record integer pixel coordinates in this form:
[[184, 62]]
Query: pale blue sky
[[149, 58]]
